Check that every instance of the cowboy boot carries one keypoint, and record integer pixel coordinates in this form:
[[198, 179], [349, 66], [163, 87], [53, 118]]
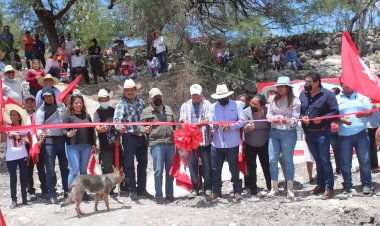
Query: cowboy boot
[[274, 191], [290, 189]]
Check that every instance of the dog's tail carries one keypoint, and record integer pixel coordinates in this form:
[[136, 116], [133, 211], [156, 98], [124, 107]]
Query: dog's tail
[[70, 198]]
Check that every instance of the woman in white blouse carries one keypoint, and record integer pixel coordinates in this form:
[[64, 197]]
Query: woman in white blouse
[[283, 107]]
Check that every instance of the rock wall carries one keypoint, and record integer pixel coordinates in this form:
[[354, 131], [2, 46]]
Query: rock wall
[[318, 52]]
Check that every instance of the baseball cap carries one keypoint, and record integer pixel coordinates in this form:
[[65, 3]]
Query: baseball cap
[[29, 96], [195, 89], [154, 92]]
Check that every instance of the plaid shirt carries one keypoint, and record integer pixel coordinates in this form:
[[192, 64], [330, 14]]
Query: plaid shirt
[[204, 109], [126, 111]]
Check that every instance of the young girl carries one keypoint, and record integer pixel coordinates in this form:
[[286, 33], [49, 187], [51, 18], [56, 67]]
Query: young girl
[[16, 153]]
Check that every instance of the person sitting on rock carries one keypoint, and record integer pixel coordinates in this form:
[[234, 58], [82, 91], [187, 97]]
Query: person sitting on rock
[[78, 63], [292, 60], [277, 60], [132, 73], [152, 66], [219, 54]]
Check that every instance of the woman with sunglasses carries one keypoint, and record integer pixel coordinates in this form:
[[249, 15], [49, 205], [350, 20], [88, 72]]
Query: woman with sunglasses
[[283, 107], [79, 141]]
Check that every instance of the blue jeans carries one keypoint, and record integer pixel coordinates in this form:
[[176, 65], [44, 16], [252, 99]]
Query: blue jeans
[[282, 141], [360, 142], [162, 59], [135, 145], [319, 146], [335, 147], [163, 156], [218, 155], [55, 72], [12, 169], [78, 156], [55, 149], [198, 171]]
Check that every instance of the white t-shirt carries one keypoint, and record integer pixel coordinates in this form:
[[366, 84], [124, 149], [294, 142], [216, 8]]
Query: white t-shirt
[[159, 44], [70, 45], [16, 145], [78, 61]]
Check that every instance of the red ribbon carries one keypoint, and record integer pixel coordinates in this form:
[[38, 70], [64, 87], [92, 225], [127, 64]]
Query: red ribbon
[[2, 220], [117, 155]]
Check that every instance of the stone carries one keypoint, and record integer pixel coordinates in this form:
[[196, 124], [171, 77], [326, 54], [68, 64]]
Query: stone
[[318, 53]]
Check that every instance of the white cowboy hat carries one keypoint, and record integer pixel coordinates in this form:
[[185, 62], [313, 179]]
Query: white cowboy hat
[[76, 48], [14, 107], [41, 80], [127, 55], [266, 89], [154, 92], [9, 68], [104, 93], [129, 83], [221, 92]]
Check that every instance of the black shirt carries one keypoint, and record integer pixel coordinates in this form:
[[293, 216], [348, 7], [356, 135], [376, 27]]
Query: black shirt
[[322, 104], [83, 135], [109, 137]]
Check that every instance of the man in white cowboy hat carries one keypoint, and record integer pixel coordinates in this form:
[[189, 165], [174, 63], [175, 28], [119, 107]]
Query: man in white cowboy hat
[[129, 109], [161, 142], [30, 107], [51, 112], [11, 87], [132, 73], [226, 140], [78, 64], [196, 110], [47, 81], [107, 135]]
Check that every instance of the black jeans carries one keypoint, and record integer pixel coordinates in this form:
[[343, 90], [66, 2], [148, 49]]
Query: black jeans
[[12, 169], [77, 71], [41, 173], [197, 171], [135, 145], [97, 68], [373, 148], [107, 158], [250, 157]]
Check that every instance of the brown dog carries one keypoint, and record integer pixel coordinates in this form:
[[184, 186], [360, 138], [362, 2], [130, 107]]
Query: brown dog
[[100, 185]]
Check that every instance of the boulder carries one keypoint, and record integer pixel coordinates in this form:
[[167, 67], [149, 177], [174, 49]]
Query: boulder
[[318, 53]]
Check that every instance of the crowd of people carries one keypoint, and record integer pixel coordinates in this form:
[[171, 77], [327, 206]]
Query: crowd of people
[[266, 123], [69, 60]]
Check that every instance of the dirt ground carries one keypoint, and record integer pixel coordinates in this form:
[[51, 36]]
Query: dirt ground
[[252, 210]]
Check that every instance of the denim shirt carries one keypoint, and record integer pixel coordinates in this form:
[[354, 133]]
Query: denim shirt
[[232, 112], [356, 102]]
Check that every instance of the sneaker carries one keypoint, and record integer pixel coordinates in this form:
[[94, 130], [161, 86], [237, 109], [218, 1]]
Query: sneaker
[[133, 196], [328, 194], [366, 190], [212, 197], [13, 205], [53, 200], [65, 194], [32, 197], [193, 194], [347, 192], [253, 191], [145, 193], [160, 200], [208, 193], [317, 190], [170, 198], [238, 197]]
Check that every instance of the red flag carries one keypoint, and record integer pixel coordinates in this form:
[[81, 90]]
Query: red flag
[[241, 158], [182, 179], [11, 101], [92, 163], [2, 220], [355, 73], [1, 101], [69, 89], [35, 145]]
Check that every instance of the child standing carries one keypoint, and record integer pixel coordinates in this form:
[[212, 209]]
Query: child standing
[[16, 153]]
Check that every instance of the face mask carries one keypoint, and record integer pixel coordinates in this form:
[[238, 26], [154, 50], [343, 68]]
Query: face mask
[[104, 105], [254, 109], [308, 87], [157, 102], [223, 101]]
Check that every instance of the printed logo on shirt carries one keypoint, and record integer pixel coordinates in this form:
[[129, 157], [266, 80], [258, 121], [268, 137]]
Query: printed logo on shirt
[[17, 139]]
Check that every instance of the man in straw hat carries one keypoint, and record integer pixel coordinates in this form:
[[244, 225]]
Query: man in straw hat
[[11, 87], [51, 112], [161, 142], [107, 135], [78, 63], [226, 140], [47, 81], [134, 142], [159, 44], [196, 110]]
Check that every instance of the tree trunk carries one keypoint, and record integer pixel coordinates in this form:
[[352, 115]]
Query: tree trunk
[[45, 17], [149, 43]]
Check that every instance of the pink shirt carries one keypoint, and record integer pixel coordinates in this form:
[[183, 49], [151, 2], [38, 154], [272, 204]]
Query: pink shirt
[[131, 65], [65, 53]]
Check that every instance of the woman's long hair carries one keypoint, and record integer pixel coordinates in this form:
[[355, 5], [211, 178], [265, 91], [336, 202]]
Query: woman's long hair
[[290, 96], [72, 99]]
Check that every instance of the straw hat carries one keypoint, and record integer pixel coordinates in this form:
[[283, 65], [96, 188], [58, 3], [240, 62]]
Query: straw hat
[[221, 92], [41, 80], [9, 68], [12, 105], [104, 93], [129, 83], [266, 89]]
